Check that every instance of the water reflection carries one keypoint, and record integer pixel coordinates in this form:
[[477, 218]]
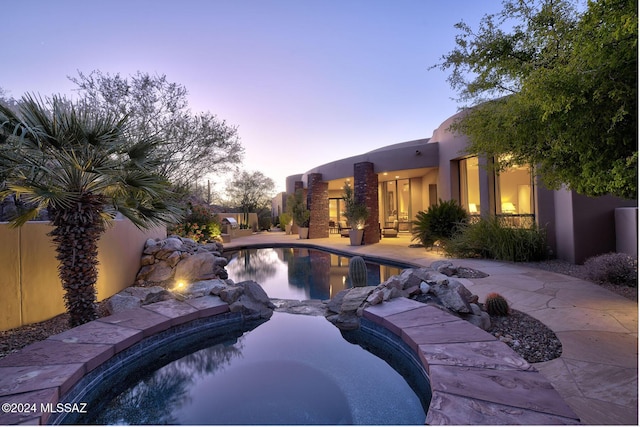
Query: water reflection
[[300, 273], [168, 388], [292, 369]]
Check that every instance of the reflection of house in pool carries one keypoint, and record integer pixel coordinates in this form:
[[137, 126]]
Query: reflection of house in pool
[[399, 180], [301, 273]]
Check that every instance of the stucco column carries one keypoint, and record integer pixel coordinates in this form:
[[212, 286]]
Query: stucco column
[[318, 204], [365, 189]]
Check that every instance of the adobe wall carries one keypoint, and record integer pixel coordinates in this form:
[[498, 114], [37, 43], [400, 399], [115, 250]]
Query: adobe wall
[[585, 226], [30, 289]]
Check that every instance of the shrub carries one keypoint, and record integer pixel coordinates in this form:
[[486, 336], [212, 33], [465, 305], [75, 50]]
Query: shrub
[[491, 238], [284, 220], [496, 305], [200, 224], [614, 268], [440, 221], [297, 207], [355, 212]]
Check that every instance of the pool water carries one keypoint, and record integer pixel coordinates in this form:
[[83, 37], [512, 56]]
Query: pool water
[[300, 273], [292, 369]]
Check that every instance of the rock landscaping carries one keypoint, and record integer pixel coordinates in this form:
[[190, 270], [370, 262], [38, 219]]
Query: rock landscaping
[[425, 285], [178, 268], [179, 259]]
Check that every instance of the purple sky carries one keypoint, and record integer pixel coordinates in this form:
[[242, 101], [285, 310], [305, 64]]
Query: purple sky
[[306, 82]]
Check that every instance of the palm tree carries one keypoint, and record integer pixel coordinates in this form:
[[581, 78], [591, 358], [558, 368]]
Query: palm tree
[[76, 164]]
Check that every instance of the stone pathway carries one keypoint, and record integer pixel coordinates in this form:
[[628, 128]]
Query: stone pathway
[[475, 379]]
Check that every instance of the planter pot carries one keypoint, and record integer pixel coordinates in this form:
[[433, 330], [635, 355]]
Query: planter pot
[[303, 232], [356, 237], [287, 229]]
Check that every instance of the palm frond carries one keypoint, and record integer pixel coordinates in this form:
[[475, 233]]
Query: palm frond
[[24, 217]]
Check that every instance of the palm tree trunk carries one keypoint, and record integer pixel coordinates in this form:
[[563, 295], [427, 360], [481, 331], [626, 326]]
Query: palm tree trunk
[[76, 233]]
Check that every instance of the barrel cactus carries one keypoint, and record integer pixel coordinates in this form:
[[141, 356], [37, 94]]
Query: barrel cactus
[[496, 305], [357, 271]]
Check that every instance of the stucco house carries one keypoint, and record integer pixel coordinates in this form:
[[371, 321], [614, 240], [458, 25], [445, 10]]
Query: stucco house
[[399, 180]]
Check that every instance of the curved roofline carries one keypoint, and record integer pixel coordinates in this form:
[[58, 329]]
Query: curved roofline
[[414, 154]]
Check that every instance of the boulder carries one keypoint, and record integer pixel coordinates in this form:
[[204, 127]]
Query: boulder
[[376, 297], [152, 246], [355, 298], [201, 288], [147, 295], [453, 295], [147, 260], [181, 259], [253, 302], [478, 317], [344, 321], [158, 272], [424, 287], [255, 292], [334, 304], [214, 247], [219, 261], [168, 246], [198, 266], [118, 303], [229, 294]]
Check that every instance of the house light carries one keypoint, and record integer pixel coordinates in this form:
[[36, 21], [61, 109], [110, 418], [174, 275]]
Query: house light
[[473, 208], [508, 207]]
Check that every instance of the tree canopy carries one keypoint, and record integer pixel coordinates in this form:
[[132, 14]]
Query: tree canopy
[[250, 191], [556, 88], [193, 144]]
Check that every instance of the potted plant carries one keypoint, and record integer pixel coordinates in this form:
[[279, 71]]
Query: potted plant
[[297, 206], [356, 214], [285, 222]]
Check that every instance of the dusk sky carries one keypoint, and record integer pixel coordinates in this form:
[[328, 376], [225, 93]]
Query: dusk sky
[[305, 81]]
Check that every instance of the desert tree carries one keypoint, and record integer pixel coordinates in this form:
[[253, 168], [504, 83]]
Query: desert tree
[[251, 192], [553, 83], [192, 144]]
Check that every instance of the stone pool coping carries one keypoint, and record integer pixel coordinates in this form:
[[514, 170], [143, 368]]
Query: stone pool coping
[[475, 379]]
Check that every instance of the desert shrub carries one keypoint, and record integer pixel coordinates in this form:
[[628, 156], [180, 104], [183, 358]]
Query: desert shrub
[[200, 224], [284, 220], [614, 268], [264, 221], [440, 221], [492, 238]]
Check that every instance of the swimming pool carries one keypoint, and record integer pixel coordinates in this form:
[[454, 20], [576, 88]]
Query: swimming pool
[[292, 369], [300, 273]]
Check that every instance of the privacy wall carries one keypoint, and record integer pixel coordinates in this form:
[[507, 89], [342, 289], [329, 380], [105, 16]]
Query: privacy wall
[[30, 290]]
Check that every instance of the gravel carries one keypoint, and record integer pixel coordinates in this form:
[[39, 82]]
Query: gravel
[[526, 335]]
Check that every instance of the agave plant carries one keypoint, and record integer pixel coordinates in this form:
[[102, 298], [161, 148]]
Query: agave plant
[[75, 163]]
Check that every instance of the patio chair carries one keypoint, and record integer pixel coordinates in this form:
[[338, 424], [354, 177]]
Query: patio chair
[[391, 231]]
